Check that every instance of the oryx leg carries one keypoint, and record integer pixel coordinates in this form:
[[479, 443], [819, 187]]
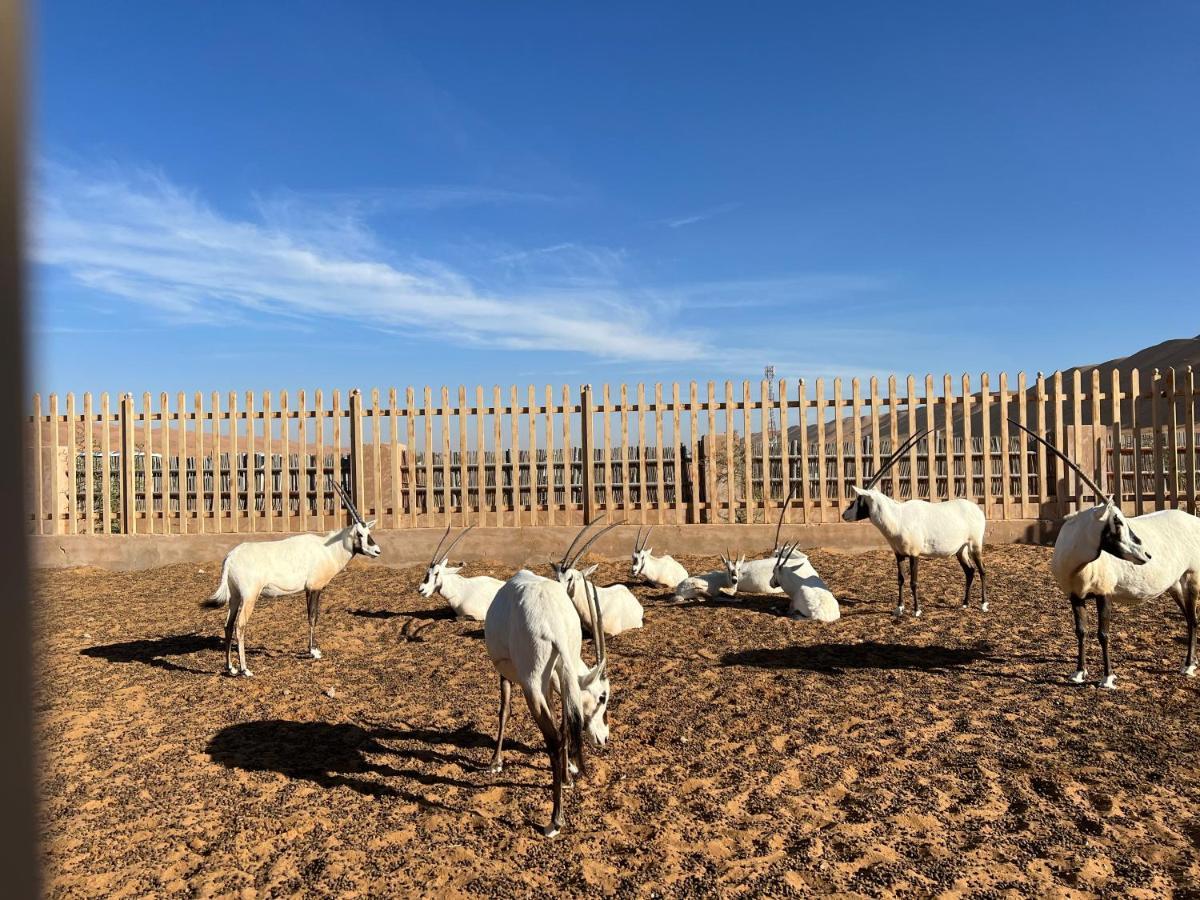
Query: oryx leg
[[1103, 619], [569, 767], [231, 617], [314, 613], [1079, 611], [557, 750], [912, 583], [977, 559], [1188, 599], [505, 703], [968, 573], [243, 619], [899, 584]]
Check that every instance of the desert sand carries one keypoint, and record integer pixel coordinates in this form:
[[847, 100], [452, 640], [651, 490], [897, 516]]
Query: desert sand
[[749, 755]]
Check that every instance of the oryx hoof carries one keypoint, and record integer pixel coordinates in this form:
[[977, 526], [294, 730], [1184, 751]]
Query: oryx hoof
[[1109, 683], [246, 673], [899, 611], [231, 671], [916, 614], [314, 653], [984, 607], [496, 767], [1188, 671], [551, 830], [572, 768], [1079, 677]]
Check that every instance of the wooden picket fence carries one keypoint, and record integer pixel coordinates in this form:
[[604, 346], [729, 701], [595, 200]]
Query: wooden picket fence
[[545, 457]]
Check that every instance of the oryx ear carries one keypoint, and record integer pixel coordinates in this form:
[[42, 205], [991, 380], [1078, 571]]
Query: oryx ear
[[445, 561], [855, 491], [370, 524], [587, 678], [590, 570], [742, 560]]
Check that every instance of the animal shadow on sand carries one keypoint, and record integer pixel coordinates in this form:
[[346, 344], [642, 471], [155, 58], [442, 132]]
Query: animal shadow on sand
[[838, 658], [152, 651], [335, 755]]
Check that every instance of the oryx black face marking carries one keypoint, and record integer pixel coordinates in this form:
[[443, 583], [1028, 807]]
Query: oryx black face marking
[[857, 511]]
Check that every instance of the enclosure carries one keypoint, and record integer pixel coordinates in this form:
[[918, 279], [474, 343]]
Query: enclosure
[[677, 454]]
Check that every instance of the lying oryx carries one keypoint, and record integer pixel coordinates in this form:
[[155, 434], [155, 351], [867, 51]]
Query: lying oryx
[[723, 582], [810, 596], [662, 571], [469, 598], [622, 611], [306, 562], [534, 638]]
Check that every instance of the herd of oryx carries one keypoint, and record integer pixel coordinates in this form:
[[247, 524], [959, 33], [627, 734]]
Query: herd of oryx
[[534, 625]]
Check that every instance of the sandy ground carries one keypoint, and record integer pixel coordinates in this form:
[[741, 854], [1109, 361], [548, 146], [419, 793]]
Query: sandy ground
[[750, 754]]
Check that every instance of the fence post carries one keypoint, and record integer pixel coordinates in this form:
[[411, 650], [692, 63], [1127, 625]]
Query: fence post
[[358, 489], [586, 414], [128, 476]]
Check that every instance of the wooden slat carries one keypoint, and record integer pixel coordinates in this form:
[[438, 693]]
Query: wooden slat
[[533, 466], [747, 467], [332, 506], [764, 431], [1062, 481], [181, 491], [147, 462], [55, 468], [72, 523], [822, 499], [568, 467], [1189, 384], [606, 452], [693, 448], [444, 426], [1043, 487], [548, 419], [164, 417], [914, 481], [876, 437], [893, 434], [1117, 487], [985, 440], [377, 461], [1135, 393], [515, 468], [397, 459], [931, 441], [948, 432], [967, 436], [623, 425], [285, 461], [710, 456], [480, 458], [234, 464], [1157, 414], [730, 468], [1006, 460], [215, 412], [641, 419], [129, 524], [1172, 438], [1096, 436], [676, 457], [1080, 437], [251, 463], [320, 482], [1023, 443], [89, 461], [785, 463], [302, 460], [498, 455], [464, 469], [805, 493], [839, 438], [268, 464], [856, 428], [658, 453], [39, 490]]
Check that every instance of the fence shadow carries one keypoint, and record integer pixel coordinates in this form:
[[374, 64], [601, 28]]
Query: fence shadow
[[152, 651], [838, 658]]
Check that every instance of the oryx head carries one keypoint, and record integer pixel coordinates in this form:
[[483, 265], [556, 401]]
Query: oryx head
[[862, 499], [786, 557], [439, 564], [361, 541], [594, 683], [733, 571], [640, 552], [1108, 528]]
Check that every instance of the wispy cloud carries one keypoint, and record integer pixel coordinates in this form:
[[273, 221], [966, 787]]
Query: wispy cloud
[[703, 215], [138, 236]]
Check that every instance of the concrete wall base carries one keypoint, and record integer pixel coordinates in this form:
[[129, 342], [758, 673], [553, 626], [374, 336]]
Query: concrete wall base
[[515, 546]]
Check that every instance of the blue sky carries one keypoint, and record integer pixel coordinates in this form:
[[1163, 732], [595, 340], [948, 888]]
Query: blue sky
[[294, 195]]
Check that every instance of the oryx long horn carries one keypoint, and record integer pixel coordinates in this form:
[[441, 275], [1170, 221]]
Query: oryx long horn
[[597, 622], [446, 553], [346, 501], [581, 533], [1070, 462], [437, 551], [595, 537], [891, 460], [640, 543], [783, 512]]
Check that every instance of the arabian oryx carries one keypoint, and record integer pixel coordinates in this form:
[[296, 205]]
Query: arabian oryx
[[794, 573], [306, 562], [916, 528], [661, 571], [534, 638], [622, 611], [1101, 554], [758, 575], [469, 598]]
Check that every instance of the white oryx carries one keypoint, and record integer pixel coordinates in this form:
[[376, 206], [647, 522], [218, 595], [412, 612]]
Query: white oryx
[[758, 575], [1102, 554], [534, 639], [622, 611], [916, 528], [306, 562], [469, 598], [662, 571], [710, 585], [810, 596]]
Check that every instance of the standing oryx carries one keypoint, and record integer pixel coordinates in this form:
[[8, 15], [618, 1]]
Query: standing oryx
[[534, 638], [662, 571], [306, 562], [468, 597], [622, 611], [1098, 554], [916, 528]]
